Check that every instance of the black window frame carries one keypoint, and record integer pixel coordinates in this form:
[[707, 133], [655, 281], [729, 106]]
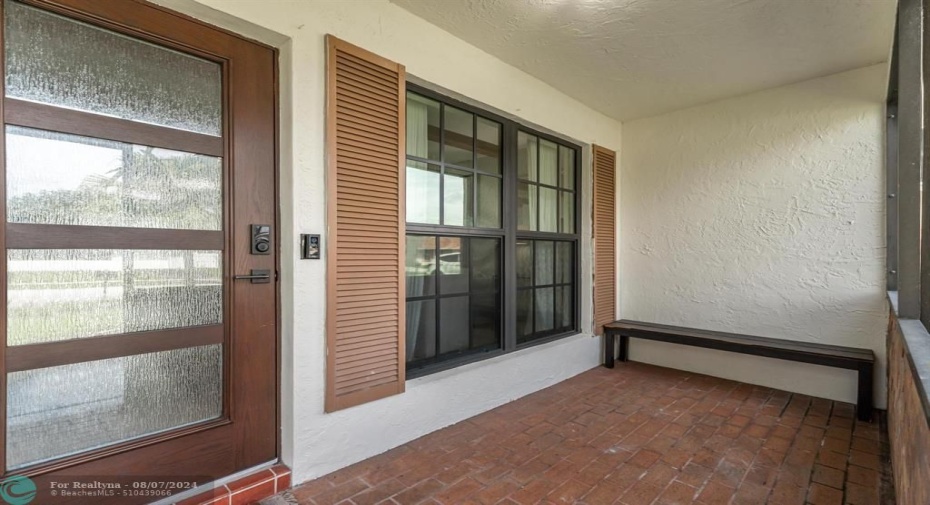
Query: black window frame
[[508, 234]]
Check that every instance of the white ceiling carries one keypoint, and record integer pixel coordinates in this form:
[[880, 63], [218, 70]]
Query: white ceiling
[[638, 58]]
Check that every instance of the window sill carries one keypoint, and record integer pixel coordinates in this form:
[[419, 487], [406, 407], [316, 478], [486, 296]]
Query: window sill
[[468, 359], [547, 339], [917, 349], [456, 362]]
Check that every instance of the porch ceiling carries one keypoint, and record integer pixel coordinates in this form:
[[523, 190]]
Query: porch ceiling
[[638, 58]]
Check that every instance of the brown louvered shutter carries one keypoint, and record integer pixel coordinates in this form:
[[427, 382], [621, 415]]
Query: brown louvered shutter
[[605, 229], [365, 217]]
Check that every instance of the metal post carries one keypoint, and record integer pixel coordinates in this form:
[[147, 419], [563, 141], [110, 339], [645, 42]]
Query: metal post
[[910, 156]]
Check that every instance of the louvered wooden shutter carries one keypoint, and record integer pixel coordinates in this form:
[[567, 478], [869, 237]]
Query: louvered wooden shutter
[[605, 229], [365, 216]]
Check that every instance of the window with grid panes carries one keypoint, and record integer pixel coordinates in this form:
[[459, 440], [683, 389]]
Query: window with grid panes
[[469, 183], [546, 239]]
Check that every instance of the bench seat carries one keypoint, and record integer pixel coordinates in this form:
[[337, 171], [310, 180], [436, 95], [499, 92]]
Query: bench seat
[[850, 358]]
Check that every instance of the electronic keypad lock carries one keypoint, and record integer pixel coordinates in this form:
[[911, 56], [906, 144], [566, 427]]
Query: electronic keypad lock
[[261, 239]]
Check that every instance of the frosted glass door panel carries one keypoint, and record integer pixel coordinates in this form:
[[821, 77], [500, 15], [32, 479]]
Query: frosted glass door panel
[[58, 411], [64, 294], [56, 178], [59, 61]]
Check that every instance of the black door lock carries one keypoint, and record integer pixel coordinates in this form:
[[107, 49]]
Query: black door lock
[[261, 239]]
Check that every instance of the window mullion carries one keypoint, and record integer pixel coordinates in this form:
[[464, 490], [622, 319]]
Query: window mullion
[[555, 261], [558, 190], [577, 196], [538, 201], [442, 164], [509, 222], [436, 323], [474, 167]]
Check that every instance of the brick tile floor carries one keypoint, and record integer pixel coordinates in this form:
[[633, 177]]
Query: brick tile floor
[[634, 435]]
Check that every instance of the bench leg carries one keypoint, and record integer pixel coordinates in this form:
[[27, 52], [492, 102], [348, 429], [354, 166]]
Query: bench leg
[[864, 404], [610, 348], [624, 348]]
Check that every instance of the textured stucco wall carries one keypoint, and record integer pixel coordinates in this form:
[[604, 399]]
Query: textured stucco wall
[[761, 214], [313, 442], [908, 428]]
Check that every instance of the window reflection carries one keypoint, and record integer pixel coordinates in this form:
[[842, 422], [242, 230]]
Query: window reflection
[[459, 132], [458, 199], [454, 175], [464, 313], [58, 178], [421, 266], [457, 162], [453, 272], [422, 193], [489, 146], [422, 127], [545, 190], [545, 289], [64, 294]]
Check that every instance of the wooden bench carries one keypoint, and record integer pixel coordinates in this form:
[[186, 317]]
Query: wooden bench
[[861, 360]]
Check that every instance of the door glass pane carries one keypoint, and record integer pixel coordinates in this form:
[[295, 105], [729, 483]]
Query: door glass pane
[[56, 178], [548, 162], [526, 156], [548, 209], [453, 324], [421, 266], [453, 266], [64, 294], [458, 199], [460, 131], [489, 202], [567, 212], [544, 262], [489, 146], [566, 168], [422, 127], [57, 411], [422, 193], [421, 330], [526, 206], [59, 61]]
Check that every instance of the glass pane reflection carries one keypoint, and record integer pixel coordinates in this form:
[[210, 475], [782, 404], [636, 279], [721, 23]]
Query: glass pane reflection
[[57, 178]]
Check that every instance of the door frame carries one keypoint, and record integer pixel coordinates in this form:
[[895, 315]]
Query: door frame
[[177, 31]]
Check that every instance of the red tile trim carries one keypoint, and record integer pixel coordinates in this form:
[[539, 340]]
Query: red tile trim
[[284, 482], [247, 490], [283, 477], [254, 492]]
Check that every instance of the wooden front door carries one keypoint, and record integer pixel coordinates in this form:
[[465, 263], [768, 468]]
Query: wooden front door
[[140, 291]]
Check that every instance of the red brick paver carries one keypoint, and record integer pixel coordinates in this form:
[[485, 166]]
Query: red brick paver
[[634, 435]]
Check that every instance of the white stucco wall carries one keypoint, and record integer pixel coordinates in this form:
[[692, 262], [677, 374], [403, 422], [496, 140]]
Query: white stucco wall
[[761, 214], [315, 443]]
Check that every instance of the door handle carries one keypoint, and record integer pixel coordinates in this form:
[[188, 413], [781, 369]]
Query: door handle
[[255, 276]]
